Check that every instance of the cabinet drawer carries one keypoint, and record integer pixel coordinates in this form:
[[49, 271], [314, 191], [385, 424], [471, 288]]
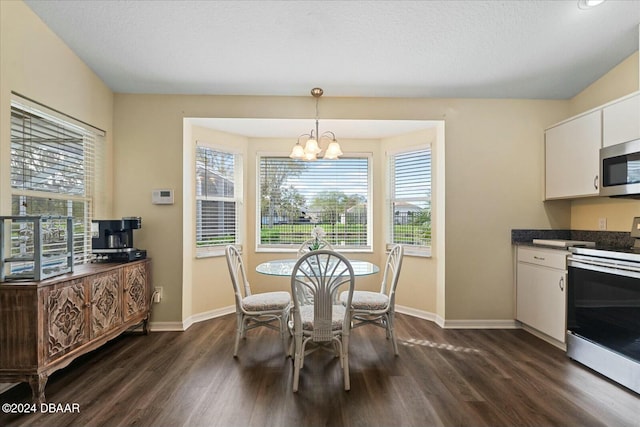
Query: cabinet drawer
[[552, 258]]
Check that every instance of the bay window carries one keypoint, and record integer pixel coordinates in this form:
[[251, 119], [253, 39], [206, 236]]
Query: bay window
[[294, 196]]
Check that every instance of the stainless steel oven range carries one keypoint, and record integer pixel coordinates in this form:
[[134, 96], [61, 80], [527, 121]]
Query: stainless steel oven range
[[603, 312]]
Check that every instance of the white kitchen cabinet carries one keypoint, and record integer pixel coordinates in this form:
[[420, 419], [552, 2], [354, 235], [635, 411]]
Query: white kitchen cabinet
[[572, 151], [621, 121], [541, 290]]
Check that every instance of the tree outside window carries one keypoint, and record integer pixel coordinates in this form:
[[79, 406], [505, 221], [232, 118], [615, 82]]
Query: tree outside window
[[296, 195]]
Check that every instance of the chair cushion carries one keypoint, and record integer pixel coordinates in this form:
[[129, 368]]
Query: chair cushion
[[266, 301], [306, 314], [366, 300]]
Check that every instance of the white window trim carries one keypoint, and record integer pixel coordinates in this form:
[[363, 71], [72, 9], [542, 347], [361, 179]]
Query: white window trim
[[282, 249], [409, 250]]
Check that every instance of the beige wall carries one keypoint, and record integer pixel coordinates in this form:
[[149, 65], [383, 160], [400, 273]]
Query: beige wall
[[493, 181], [620, 81], [585, 213], [493, 170], [64, 83]]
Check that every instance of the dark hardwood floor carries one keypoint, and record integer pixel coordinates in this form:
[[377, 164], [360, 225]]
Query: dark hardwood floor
[[441, 378]]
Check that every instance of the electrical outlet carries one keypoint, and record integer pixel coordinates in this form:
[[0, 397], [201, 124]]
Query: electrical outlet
[[602, 223], [157, 296]]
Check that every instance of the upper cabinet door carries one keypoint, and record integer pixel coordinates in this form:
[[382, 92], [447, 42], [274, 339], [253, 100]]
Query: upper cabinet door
[[621, 121], [572, 157]]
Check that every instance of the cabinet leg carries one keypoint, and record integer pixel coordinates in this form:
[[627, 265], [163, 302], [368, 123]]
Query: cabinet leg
[[37, 383], [145, 326]]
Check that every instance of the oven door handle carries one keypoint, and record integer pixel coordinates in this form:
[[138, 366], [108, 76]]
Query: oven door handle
[[604, 266]]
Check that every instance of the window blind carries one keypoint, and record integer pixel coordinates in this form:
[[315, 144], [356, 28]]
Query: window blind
[[54, 170], [333, 194], [410, 197], [46, 156], [218, 194]]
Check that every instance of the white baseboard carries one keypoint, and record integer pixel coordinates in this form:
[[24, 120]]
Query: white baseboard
[[207, 315], [166, 326], [421, 314], [458, 324], [480, 324], [185, 324]]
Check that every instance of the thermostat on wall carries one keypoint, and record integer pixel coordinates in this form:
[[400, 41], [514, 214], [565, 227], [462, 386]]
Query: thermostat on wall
[[162, 196]]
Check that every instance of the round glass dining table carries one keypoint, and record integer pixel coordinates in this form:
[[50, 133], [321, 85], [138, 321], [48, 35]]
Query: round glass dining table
[[284, 267]]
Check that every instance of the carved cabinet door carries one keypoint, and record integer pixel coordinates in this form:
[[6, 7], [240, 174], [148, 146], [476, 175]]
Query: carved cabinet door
[[65, 318], [135, 290], [106, 302]]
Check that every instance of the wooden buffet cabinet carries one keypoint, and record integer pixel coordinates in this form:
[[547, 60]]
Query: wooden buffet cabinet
[[45, 325]]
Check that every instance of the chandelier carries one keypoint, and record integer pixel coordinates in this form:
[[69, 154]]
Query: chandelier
[[312, 145]]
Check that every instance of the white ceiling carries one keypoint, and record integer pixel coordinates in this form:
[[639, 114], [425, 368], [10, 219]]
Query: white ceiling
[[443, 49], [461, 49]]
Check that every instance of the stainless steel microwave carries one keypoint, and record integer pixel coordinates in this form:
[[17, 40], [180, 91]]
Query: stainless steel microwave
[[620, 170]]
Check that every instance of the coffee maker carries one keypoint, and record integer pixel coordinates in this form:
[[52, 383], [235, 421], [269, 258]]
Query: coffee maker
[[112, 240]]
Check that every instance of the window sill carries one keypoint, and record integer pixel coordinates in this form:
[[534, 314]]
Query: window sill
[[216, 251], [210, 255], [413, 251], [417, 253]]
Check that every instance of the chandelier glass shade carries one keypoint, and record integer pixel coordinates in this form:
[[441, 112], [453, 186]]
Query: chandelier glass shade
[[312, 141]]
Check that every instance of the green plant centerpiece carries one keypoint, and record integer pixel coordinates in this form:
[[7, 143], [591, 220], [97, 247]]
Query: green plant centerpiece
[[318, 234]]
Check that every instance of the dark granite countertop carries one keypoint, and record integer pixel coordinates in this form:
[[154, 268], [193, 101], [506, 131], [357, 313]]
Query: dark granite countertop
[[609, 239]]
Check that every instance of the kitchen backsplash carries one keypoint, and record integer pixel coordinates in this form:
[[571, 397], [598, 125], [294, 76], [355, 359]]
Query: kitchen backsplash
[[615, 239]]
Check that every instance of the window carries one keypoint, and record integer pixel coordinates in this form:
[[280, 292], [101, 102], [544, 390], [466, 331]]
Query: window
[[333, 194], [218, 199], [410, 199], [56, 166]]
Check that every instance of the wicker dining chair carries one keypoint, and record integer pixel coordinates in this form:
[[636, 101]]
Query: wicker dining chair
[[378, 308], [254, 310], [321, 273]]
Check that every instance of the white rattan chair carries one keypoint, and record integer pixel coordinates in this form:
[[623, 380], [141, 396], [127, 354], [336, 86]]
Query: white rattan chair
[[253, 310], [321, 273], [378, 308], [306, 246]]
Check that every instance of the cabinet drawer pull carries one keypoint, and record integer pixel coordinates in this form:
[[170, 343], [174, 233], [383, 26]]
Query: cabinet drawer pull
[[539, 258], [561, 284], [595, 182]]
